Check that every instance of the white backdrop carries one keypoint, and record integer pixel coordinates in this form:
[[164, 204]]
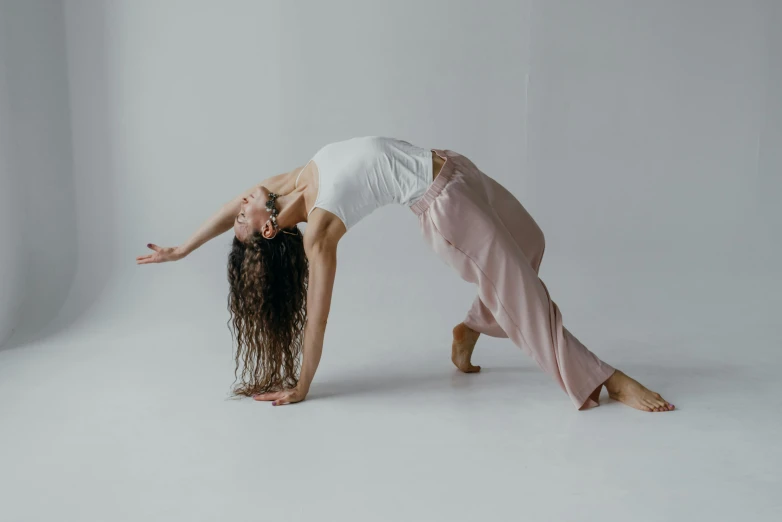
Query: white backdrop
[[38, 225], [643, 137], [643, 146]]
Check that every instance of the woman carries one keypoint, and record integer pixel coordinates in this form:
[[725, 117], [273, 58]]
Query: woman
[[281, 280]]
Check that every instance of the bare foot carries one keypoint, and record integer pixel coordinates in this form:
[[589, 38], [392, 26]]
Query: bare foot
[[631, 392], [464, 339]]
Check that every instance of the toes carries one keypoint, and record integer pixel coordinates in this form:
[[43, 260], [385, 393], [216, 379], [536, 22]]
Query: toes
[[657, 402], [661, 404], [467, 368]]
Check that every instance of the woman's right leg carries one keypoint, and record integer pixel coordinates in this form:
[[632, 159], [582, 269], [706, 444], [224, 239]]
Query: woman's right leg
[[526, 234], [459, 223], [529, 237]]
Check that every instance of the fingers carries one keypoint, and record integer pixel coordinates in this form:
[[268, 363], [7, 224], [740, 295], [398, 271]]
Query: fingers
[[161, 255], [279, 398], [143, 260], [148, 258], [269, 396], [287, 398]]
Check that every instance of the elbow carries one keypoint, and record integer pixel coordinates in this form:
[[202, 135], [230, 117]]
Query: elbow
[[317, 323], [321, 254], [320, 249]]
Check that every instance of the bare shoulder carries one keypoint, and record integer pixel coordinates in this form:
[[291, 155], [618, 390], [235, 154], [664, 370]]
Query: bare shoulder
[[323, 232]]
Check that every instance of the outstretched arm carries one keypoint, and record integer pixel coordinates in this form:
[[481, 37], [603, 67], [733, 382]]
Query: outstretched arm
[[221, 222]]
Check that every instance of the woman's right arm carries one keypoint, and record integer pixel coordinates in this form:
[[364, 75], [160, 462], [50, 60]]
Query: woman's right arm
[[222, 221]]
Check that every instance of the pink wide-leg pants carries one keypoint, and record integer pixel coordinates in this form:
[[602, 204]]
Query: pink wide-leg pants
[[482, 231]]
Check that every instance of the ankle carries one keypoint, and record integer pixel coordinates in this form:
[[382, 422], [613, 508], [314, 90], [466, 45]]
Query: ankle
[[461, 331], [612, 384]]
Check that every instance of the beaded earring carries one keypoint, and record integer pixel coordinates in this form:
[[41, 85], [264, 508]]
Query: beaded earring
[[273, 209]]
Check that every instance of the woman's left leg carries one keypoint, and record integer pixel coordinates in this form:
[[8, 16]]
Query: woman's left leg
[[458, 221], [525, 233], [480, 319], [460, 225]]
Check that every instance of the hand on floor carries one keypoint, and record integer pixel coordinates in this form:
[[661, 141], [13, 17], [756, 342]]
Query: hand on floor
[[279, 398]]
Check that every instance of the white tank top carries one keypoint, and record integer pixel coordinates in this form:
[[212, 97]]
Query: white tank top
[[359, 175]]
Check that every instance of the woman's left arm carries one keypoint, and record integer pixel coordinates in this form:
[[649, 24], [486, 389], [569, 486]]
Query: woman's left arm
[[322, 256], [322, 272]]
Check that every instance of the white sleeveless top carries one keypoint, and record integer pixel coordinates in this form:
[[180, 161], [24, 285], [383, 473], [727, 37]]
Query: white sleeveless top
[[359, 175]]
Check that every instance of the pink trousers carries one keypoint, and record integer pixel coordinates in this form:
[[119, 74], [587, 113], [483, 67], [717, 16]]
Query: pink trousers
[[482, 231]]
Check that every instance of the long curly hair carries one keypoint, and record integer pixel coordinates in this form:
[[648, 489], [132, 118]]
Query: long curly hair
[[268, 307]]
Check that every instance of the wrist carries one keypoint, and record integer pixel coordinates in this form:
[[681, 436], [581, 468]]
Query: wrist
[[182, 251], [303, 388]]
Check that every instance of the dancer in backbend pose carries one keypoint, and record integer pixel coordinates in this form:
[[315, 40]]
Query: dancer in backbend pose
[[281, 280]]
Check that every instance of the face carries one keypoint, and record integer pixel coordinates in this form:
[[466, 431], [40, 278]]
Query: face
[[254, 216]]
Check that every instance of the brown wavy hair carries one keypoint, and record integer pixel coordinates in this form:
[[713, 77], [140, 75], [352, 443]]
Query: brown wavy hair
[[268, 307]]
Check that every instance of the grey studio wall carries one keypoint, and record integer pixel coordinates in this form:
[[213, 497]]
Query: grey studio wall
[[38, 228], [643, 136]]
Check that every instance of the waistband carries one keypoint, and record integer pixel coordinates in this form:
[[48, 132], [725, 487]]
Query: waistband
[[442, 179]]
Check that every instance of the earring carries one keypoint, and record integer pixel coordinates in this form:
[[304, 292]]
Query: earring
[[273, 218]]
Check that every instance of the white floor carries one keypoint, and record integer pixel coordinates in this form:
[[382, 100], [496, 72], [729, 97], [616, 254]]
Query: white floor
[[125, 417]]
